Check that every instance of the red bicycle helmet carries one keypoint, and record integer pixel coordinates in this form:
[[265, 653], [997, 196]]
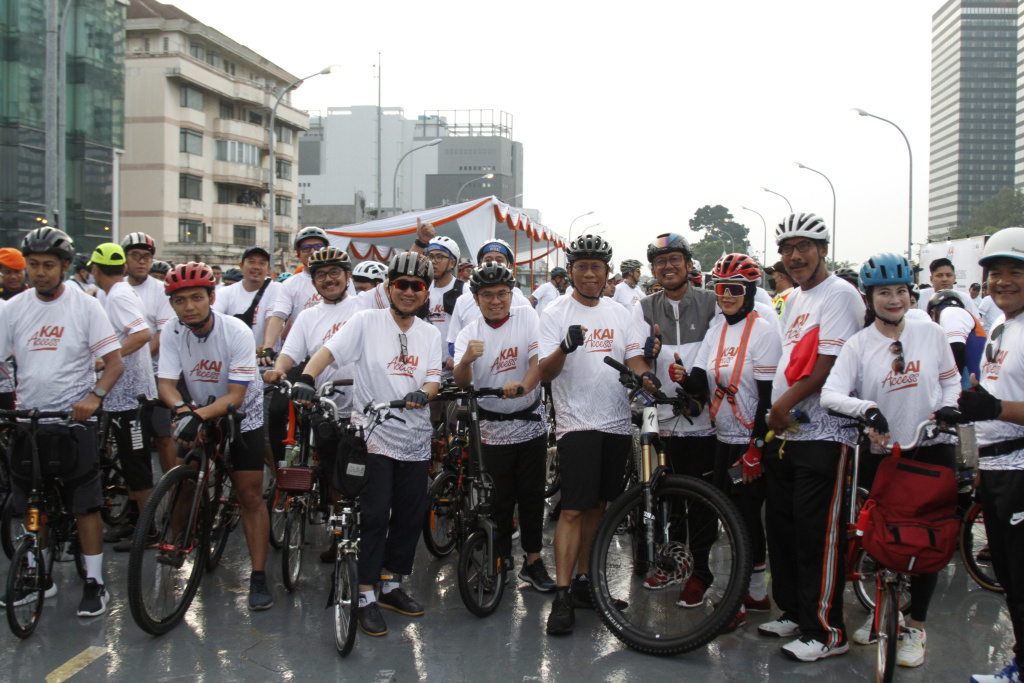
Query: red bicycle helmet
[[736, 268], [189, 274]]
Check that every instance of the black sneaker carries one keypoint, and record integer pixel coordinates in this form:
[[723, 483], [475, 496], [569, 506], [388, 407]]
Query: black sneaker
[[398, 601], [331, 553], [125, 544], [562, 617], [371, 621], [259, 594], [581, 598], [536, 574], [94, 599], [115, 534]]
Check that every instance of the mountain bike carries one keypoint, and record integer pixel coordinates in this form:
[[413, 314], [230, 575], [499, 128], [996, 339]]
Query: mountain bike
[[112, 481]]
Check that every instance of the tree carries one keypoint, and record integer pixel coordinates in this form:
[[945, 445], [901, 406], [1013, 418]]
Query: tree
[[720, 230], [1004, 210]]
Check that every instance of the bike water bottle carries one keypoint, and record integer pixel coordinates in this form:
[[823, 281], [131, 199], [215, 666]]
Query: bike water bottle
[[291, 454]]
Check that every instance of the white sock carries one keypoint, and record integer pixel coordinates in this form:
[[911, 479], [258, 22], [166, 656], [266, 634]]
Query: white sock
[[758, 590], [366, 597], [388, 586], [94, 567]]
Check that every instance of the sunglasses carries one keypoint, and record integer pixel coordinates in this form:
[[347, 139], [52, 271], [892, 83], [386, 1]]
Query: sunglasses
[[414, 285], [899, 365], [730, 288], [404, 343], [306, 248], [992, 350]]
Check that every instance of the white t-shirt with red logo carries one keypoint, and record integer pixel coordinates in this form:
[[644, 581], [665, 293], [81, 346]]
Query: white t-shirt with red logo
[[1004, 379], [865, 368], [235, 300], [440, 319], [226, 355], [759, 363], [124, 310], [587, 393], [626, 295], [310, 331], [54, 344], [507, 353], [466, 311], [957, 323], [156, 306], [544, 295], [297, 294], [370, 342], [835, 312]]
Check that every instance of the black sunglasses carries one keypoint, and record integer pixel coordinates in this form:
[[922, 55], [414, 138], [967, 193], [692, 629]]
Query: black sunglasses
[[414, 285], [899, 365], [992, 351]]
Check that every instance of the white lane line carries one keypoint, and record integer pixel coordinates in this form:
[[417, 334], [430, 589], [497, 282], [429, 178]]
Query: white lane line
[[75, 664]]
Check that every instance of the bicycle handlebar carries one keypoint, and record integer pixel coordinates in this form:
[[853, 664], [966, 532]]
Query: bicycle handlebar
[[34, 414], [926, 430]]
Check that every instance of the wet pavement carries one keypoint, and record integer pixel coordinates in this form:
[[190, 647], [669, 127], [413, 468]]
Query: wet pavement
[[220, 640]]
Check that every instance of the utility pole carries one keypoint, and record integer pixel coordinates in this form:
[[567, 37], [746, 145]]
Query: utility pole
[[380, 207]]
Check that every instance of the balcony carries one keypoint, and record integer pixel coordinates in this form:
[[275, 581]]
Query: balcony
[[241, 130], [240, 213], [239, 174]]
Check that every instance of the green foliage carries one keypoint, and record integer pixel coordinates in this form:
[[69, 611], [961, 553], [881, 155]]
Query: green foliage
[[1004, 210], [718, 227]]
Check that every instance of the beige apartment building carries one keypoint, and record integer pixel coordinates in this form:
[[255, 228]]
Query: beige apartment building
[[195, 173]]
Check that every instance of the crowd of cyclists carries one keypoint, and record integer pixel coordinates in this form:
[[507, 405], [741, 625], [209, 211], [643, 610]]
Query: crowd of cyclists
[[874, 344]]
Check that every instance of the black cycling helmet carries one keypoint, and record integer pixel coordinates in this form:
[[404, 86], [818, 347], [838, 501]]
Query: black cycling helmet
[[411, 264], [47, 240], [491, 273], [589, 247], [307, 232], [328, 256], [559, 271], [161, 267], [850, 275], [80, 262], [944, 299], [232, 275], [667, 243]]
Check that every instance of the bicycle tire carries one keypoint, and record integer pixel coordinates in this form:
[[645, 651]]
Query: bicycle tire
[[888, 632], [161, 591], [973, 541], [115, 495], [442, 507], [28, 581], [710, 513], [865, 588], [346, 602], [276, 509], [291, 551], [480, 586], [222, 520], [11, 530]]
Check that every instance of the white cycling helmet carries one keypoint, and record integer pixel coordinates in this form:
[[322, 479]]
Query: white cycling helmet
[[806, 225], [371, 270], [1007, 243], [446, 243], [696, 266]]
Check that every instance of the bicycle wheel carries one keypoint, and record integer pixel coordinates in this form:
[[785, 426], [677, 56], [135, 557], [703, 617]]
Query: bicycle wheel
[[223, 519], [692, 521], [480, 586], [442, 506], [26, 590], [163, 582], [11, 529], [346, 602], [974, 549], [866, 587], [115, 495], [278, 517], [888, 632], [291, 552]]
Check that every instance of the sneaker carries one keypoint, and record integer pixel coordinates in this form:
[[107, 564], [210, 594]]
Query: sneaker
[[780, 628], [739, 620], [371, 621], [808, 649], [94, 599], [762, 605], [912, 646], [515, 534], [259, 594], [692, 594], [125, 544], [662, 579], [582, 599], [866, 634], [398, 601], [115, 534], [1011, 674], [51, 591], [536, 574], [562, 617]]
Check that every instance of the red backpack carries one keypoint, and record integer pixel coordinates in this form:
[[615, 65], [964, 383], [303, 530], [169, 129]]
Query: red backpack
[[909, 521]]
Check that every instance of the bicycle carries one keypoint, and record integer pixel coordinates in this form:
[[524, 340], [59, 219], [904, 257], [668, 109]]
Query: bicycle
[[552, 476], [192, 510], [440, 535], [48, 523], [112, 480], [666, 516]]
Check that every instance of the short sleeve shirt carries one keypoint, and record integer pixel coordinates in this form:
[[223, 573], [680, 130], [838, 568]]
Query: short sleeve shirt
[[235, 300], [1003, 377], [124, 310]]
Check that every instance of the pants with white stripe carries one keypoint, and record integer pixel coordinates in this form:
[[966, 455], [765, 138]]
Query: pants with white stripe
[[806, 533]]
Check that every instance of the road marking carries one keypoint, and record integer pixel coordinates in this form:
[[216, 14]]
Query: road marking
[[75, 664]]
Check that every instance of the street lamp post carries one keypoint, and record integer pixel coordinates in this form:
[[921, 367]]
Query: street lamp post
[[594, 226], [712, 232], [394, 178], [765, 254], [569, 239], [910, 182], [483, 177], [781, 195], [511, 199], [273, 139], [799, 165]]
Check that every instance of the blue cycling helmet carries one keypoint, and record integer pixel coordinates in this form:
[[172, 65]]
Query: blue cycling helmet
[[283, 276], [885, 269]]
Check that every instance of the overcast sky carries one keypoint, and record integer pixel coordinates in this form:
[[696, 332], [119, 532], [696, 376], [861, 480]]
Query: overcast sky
[[645, 112]]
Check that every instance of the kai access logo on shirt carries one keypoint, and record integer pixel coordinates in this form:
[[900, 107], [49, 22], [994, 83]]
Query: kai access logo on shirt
[[206, 371], [906, 380], [406, 369], [795, 330], [991, 370], [599, 340], [507, 360], [330, 332], [437, 313], [727, 357], [46, 339], [312, 301]]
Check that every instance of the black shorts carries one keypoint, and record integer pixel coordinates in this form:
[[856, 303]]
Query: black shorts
[[133, 450], [82, 490], [246, 453], [592, 466], [160, 422]]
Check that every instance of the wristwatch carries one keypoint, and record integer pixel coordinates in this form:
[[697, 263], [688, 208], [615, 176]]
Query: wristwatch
[[100, 393]]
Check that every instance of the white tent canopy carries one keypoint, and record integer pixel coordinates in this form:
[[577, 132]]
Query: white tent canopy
[[470, 224]]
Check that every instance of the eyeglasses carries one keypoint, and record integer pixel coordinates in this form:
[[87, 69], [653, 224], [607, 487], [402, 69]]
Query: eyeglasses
[[992, 351], [414, 285], [495, 296], [596, 267], [437, 257], [306, 248], [673, 259], [332, 273], [730, 288], [404, 343], [899, 365], [802, 247], [140, 256]]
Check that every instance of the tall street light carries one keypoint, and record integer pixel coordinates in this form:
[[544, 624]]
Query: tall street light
[[594, 226], [483, 177], [569, 239], [394, 178], [910, 182], [511, 199], [723, 233], [781, 195], [765, 254], [799, 165], [273, 139]]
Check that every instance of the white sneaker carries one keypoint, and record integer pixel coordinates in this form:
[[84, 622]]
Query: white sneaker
[[866, 635], [807, 649], [1011, 674], [780, 628], [912, 647], [50, 591]]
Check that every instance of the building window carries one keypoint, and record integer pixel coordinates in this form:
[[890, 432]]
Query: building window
[[190, 186], [283, 170], [237, 152], [145, 45], [191, 142], [191, 231], [229, 67], [245, 235], [282, 240], [191, 98], [282, 206], [197, 51], [227, 110], [167, 44], [283, 134], [255, 118], [213, 59]]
